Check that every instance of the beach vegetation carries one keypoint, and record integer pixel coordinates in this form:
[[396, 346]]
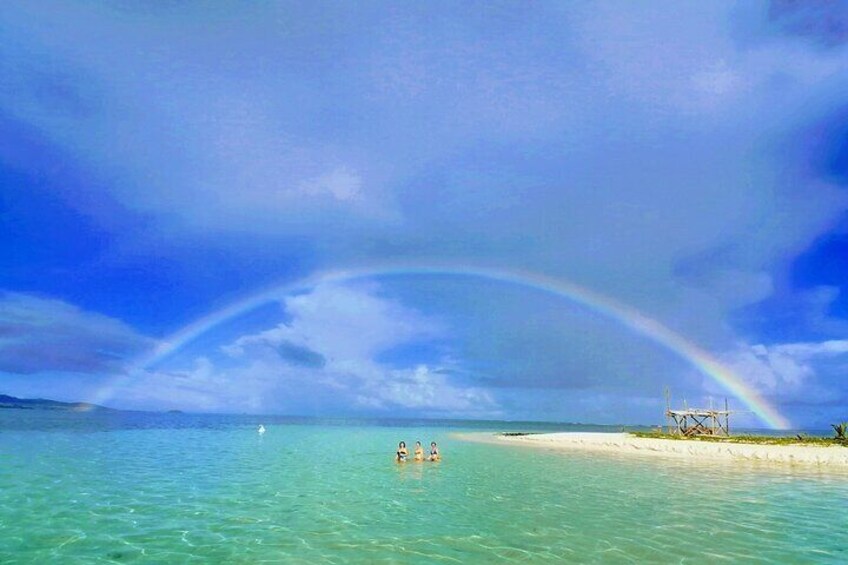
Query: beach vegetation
[[841, 430], [797, 439]]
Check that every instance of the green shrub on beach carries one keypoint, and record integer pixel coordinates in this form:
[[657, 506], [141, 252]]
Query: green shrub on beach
[[841, 431], [751, 439]]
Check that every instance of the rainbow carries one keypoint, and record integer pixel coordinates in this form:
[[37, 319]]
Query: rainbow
[[621, 313]]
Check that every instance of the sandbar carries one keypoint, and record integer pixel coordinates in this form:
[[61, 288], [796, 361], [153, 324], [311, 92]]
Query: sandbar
[[624, 443]]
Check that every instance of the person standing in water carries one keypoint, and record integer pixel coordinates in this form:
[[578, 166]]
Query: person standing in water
[[434, 452], [402, 453], [419, 451]]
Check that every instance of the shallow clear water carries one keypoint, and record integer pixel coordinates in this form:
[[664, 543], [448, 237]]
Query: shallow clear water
[[178, 488]]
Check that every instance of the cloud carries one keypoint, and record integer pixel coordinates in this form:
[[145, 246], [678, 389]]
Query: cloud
[[39, 335], [770, 370], [794, 373], [324, 358], [819, 21], [302, 356], [424, 389], [202, 387], [648, 151], [805, 314], [342, 323], [341, 184], [171, 133], [807, 350]]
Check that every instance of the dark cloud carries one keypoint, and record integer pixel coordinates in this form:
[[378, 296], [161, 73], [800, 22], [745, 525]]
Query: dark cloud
[[834, 163], [301, 356], [40, 335], [822, 21]]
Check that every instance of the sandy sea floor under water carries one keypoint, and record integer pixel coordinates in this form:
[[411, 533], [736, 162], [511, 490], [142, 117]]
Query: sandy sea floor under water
[[179, 488]]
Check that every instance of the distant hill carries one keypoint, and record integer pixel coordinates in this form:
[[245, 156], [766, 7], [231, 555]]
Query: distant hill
[[43, 404]]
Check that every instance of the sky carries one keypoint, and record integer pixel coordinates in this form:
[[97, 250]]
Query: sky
[[162, 162]]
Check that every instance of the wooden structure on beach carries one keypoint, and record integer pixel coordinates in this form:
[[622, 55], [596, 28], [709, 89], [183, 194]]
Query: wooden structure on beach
[[690, 422]]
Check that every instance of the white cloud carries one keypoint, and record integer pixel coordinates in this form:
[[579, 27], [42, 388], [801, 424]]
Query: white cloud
[[422, 388], [343, 323], [325, 357], [204, 387], [828, 348], [770, 371], [341, 184], [792, 371]]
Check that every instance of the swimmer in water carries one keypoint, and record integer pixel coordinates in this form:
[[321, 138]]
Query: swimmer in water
[[419, 451], [434, 452], [402, 453]]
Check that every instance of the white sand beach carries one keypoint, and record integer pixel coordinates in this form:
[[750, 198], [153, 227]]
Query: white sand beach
[[624, 443]]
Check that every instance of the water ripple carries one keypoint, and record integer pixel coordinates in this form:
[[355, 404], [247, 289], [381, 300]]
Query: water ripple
[[331, 494]]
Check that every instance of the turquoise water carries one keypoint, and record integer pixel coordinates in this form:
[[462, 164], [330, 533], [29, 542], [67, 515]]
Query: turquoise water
[[178, 488]]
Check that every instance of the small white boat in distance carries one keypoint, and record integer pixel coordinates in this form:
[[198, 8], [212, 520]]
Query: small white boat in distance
[[261, 429]]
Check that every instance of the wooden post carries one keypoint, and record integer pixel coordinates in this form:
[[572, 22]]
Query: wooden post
[[726, 418], [712, 418], [668, 409]]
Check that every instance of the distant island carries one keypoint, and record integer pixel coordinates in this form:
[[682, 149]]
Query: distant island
[[44, 404]]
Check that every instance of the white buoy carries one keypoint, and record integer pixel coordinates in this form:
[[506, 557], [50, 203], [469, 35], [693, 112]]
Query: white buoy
[[261, 429]]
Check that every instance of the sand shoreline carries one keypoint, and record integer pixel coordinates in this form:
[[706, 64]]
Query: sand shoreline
[[624, 443]]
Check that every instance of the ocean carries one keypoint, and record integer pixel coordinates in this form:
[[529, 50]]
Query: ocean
[[118, 487]]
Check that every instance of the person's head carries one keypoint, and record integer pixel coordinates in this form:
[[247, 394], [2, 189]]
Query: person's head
[[432, 444], [402, 445], [417, 444]]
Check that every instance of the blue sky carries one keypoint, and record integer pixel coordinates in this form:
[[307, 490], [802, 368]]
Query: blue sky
[[160, 162]]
